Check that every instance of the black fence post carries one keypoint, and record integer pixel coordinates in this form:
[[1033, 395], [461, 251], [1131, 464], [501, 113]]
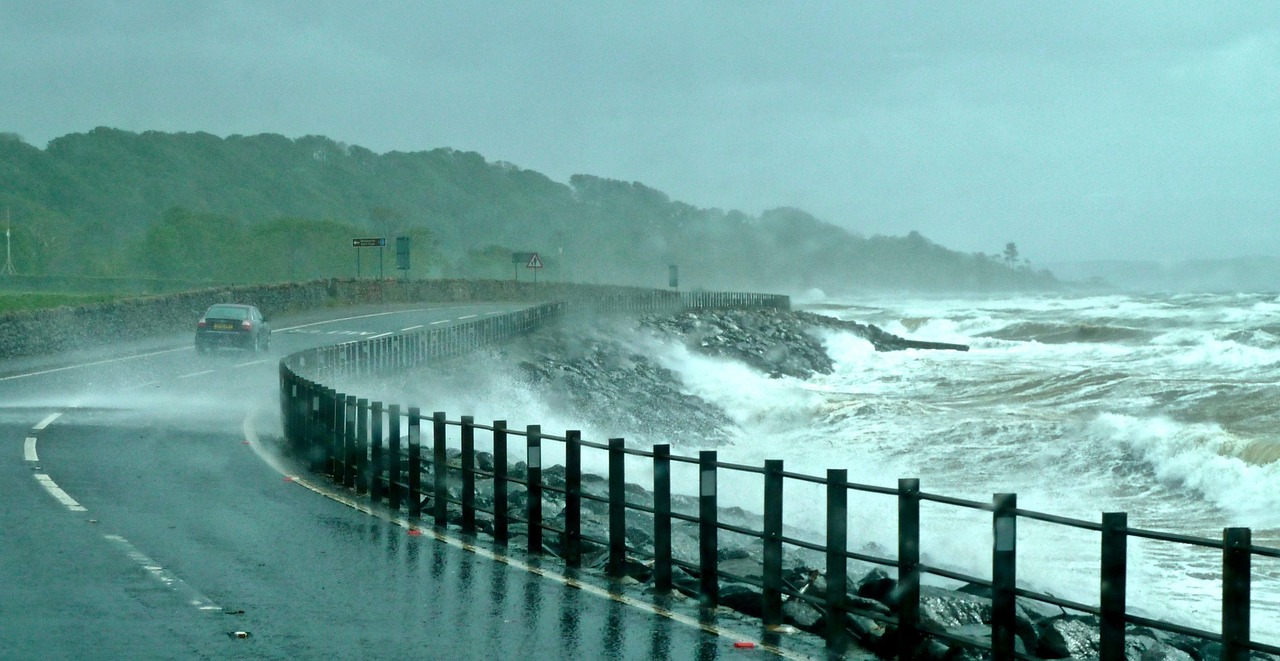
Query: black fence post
[[394, 492], [708, 529], [772, 578], [377, 459], [908, 567], [837, 556], [468, 474], [439, 470], [415, 462], [617, 508], [573, 498], [533, 506], [500, 518], [338, 450], [362, 446], [318, 427], [1004, 575], [349, 442], [1115, 540], [662, 518], [1236, 570]]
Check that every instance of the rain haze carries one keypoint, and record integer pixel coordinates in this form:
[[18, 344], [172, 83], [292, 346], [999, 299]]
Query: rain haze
[[1080, 131], [1061, 280]]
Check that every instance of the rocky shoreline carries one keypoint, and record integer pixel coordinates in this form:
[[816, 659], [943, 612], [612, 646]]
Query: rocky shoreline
[[1043, 631], [606, 372], [610, 380]]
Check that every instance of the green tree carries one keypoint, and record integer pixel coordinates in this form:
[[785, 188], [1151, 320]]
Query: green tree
[[196, 246]]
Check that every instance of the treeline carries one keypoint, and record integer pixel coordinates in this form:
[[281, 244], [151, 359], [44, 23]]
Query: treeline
[[268, 208]]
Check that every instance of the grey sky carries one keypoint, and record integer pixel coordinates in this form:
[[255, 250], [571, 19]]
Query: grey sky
[[1078, 130]]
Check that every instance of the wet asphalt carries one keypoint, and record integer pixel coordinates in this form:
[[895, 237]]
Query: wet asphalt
[[145, 517]]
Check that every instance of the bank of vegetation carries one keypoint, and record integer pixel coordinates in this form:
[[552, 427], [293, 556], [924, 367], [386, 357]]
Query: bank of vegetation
[[266, 208]]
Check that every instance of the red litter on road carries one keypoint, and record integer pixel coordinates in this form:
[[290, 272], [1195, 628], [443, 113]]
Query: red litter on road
[[288, 479], [414, 532], [744, 645]]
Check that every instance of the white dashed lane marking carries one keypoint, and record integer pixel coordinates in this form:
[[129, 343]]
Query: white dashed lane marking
[[188, 376], [382, 335], [166, 577], [470, 316], [163, 575], [406, 330], [442, 321], [58, 494]]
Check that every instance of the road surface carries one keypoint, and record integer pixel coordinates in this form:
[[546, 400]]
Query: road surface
[[146, 518]]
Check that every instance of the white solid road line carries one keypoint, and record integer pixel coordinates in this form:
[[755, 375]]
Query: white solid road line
[[251, 433], [108, 361], [163, 575], [375, 314], [716, 630], [48, 419], [92, 364], [29, 449], [58, 494]]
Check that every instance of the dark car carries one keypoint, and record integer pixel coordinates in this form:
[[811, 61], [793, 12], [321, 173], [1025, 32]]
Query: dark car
[[232, 325]]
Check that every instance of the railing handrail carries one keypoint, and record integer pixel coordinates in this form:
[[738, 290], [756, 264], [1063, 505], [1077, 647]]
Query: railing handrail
[[345, 431]]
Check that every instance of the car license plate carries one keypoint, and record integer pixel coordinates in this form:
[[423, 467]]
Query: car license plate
[[222, 325]]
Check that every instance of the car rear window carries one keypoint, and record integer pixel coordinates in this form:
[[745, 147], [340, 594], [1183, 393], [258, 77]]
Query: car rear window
[[227, 312]]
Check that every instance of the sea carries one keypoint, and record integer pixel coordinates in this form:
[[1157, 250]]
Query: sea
[[1164, 406]]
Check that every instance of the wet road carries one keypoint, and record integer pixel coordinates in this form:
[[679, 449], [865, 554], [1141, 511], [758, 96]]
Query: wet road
[[144, 517]]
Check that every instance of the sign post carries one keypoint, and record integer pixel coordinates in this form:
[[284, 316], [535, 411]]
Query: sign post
[[402, 254], [534, 263], [375, 242]]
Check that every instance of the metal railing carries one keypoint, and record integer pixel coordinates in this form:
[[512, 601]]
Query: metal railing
[[378, 450]]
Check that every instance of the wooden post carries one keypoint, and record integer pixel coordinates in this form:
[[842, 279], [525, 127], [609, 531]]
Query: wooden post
[[908, 567], [573, 498], [439, 470], [1112, 598], [708, 529], [662, 518], [393, 452], [1236, 560], [468, 474], [500, 518], [837, 557], [772, 578], [1004, 576], [617, 508], [362, 446], [533, 509], [415, 462], [377, 489]]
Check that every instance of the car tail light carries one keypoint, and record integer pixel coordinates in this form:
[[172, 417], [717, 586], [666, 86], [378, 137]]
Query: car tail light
[[246, 325], [202, 323]]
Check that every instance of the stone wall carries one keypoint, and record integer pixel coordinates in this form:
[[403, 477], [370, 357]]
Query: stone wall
[[40, 332]]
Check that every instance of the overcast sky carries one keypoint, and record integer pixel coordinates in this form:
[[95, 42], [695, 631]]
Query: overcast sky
[[1077, 130]]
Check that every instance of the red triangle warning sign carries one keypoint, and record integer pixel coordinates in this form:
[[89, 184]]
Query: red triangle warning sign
[[534, 262]]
